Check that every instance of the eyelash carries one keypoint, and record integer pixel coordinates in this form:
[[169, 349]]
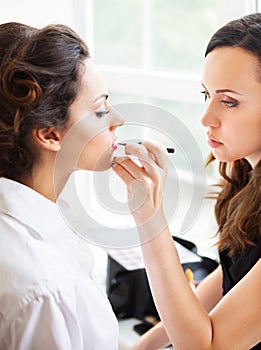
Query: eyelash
[[101, 114], [205, 95], [229, 104]]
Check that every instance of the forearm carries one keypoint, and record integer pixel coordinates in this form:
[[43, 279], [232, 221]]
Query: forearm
[[187, 323], [177, 305], [156, 338], [209, 291]]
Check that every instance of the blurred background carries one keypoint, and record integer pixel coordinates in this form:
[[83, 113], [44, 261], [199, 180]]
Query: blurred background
[[150, 51]]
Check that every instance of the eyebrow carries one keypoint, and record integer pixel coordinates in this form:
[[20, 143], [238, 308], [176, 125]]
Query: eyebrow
[[227, 90], [218, 91], [105, 96]]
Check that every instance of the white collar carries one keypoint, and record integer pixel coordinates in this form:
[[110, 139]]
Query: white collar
[[30, 207]]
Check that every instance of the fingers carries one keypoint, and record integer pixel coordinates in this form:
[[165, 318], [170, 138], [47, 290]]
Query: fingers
[[158, 153], [127, 165], [122, 171], [145, 180], [149, 153], [137, 189], [152, 157]]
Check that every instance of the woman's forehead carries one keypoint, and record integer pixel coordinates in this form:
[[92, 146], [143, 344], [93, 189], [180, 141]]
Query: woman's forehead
[[230, 68]]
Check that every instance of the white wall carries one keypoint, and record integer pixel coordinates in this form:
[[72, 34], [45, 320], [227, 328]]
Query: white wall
[[37, 13]]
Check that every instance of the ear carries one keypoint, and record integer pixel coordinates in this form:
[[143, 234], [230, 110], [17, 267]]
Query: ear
[[48, 138]]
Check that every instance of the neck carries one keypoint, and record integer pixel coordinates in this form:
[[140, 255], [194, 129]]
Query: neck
[[46, 180], [254, 160]]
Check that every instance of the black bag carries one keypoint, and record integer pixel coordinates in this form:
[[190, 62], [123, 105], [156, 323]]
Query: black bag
[[129, 292]]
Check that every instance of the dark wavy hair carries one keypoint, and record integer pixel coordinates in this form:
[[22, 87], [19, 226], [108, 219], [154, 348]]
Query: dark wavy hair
[[238, 206], [39, 79]]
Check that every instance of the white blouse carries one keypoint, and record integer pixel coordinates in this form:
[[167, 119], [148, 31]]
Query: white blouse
[[48, 298]]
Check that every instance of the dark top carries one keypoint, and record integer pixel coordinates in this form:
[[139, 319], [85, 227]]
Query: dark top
[[237, 267]]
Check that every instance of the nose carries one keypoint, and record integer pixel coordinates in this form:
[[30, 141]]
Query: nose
[[210, 117], [116, 119]]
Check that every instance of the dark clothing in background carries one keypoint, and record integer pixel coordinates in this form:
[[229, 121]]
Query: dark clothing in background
[[236, 267]]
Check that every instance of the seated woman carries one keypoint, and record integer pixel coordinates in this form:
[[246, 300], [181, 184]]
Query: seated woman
[[49, 86]]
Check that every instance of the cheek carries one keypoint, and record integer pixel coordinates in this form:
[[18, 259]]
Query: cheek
[[243, 136], [96, 149], [251, 128], [99, 143]]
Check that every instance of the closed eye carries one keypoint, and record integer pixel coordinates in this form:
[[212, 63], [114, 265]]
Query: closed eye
[[101, 114]]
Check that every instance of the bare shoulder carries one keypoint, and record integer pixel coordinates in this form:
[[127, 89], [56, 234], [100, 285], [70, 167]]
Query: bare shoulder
[[236, 319]]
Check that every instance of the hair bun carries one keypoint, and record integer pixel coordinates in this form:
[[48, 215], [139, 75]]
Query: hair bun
[[20, 87]]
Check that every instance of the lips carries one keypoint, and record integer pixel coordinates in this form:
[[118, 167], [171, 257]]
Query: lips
[[114, 146], [214, 143]]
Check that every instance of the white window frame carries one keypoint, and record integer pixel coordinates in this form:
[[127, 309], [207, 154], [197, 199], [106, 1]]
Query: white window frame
[[169, 85]]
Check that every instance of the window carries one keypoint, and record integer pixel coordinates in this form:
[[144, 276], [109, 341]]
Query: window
[[151, 52]]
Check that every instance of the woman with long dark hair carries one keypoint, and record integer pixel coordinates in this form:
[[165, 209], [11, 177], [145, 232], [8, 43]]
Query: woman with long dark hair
[[225, 313]]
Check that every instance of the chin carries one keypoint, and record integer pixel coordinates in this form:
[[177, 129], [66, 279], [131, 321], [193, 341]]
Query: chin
[[226, 158]]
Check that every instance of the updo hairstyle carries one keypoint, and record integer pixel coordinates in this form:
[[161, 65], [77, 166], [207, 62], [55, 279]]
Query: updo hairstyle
[[40, 73]]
